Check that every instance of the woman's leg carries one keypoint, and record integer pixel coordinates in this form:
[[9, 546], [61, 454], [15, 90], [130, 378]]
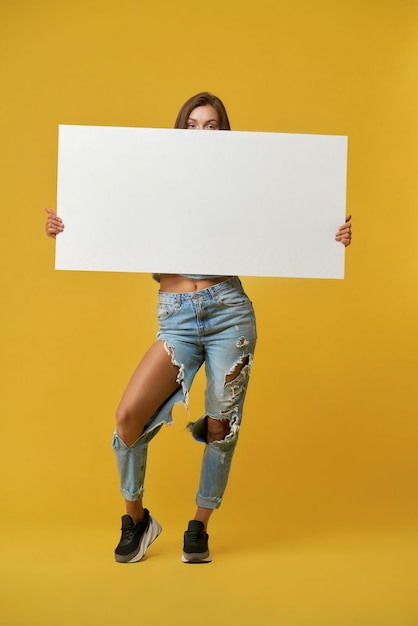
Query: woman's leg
[[220, 436], [229, 350], [216, 430], [152, 383]]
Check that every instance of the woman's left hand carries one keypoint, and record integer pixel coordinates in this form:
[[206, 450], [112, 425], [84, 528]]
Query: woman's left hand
[[344, 232]]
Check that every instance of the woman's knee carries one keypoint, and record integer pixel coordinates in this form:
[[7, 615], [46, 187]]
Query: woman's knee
[[127, 425], [217, 429]]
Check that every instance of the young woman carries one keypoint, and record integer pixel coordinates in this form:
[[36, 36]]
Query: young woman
[[202, 319]]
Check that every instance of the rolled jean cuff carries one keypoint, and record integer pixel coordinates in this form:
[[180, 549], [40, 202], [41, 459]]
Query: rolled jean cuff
[[208, 503], [132, 497]]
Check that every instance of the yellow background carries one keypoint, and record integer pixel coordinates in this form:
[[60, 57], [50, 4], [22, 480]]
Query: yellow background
[[319, 520]]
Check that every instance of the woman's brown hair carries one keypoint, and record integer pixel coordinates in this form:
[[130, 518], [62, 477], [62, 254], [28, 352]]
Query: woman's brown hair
[[203, 99]]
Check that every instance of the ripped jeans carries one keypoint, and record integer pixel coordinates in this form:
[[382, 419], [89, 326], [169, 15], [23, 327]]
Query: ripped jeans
[[215, 326]]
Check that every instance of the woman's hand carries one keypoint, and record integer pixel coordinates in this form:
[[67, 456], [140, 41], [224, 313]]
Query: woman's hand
[[54, 224], [344, 232]]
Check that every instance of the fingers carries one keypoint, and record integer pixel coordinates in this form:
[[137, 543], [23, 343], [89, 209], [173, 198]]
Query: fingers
[[344, 234], [54, 224]]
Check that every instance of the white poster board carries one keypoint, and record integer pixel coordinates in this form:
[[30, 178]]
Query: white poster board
[[170, 201]]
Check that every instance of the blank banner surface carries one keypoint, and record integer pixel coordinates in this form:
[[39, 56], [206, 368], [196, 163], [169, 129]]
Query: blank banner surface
[[170, 201]]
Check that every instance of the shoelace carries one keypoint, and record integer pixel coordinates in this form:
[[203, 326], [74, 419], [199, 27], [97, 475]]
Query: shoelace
[[197, 537], [128, 532]]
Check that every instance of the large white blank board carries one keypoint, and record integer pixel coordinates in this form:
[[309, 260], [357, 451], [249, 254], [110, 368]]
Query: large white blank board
[[171, 201]]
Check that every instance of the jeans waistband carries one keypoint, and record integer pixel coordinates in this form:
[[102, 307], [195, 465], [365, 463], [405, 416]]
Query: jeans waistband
[[230, 284]]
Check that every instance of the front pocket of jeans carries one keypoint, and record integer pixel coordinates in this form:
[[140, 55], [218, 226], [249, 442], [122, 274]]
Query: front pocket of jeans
[[234, 299], [165, 311]]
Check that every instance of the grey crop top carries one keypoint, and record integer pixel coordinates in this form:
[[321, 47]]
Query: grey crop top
[[193, 276]]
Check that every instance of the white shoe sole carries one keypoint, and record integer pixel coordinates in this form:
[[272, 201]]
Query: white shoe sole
[[195, 557]]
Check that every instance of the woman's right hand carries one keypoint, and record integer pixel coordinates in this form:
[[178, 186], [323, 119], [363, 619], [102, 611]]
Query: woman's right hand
[[54, 224]]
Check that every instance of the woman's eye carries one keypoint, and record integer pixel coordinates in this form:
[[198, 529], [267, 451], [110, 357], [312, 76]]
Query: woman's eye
[[190, 125]]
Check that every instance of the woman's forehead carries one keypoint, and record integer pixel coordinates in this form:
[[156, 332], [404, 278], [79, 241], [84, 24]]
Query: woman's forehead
[[204, 110]]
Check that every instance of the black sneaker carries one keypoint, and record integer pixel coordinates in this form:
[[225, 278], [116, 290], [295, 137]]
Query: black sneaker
[[196, 548], [136, 538]]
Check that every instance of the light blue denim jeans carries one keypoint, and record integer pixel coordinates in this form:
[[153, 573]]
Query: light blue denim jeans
[[215, 326]]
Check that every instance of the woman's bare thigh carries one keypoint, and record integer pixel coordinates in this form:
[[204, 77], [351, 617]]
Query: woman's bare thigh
[[152, 383]]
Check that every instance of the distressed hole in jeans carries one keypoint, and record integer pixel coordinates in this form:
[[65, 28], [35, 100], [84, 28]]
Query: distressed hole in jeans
[[216, 429], [180, 375], [242, 342], [237, 368]]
